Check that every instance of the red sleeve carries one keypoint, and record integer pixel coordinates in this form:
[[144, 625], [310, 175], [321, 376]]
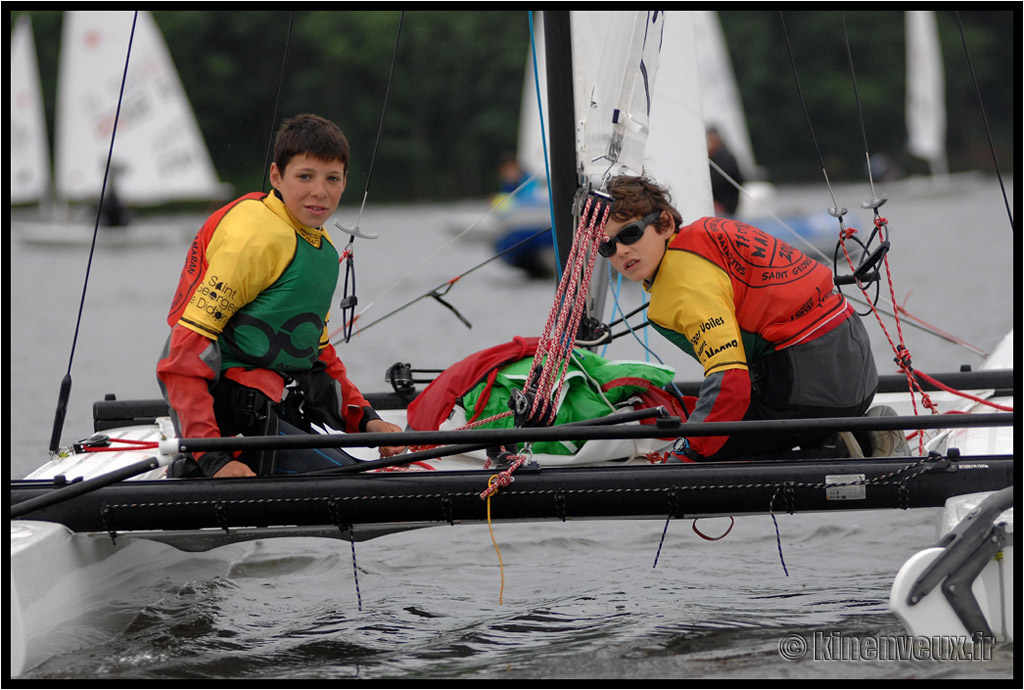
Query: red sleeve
[[185, 372], [724, 397], [356, 410]]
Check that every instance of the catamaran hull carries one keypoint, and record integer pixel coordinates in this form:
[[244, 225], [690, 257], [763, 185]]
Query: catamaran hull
[[962, 588], [681, 490], [72, 590], [49, 585], [68, 560], [65, 559]]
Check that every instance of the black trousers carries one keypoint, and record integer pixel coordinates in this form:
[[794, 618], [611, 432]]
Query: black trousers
[[246, 411]]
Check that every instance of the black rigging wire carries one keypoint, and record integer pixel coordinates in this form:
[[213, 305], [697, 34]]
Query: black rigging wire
[[875, 202], [65, 384], [984, 118], [866, 271], [350, 301], [807, 117], [384, 110], [277, 102], [444, 288]]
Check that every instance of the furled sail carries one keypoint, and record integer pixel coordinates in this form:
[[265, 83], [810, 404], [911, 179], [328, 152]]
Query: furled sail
[[623, 98], [638, 102], [615, 61]]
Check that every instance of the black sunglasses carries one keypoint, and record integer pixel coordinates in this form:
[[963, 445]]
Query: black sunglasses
[[627, 235]]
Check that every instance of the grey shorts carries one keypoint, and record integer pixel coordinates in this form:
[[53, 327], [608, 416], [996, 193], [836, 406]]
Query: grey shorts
[[834, 372], [832, 376]]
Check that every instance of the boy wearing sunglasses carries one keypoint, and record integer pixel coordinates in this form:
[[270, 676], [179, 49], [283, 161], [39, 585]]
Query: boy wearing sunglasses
[[775, 338]]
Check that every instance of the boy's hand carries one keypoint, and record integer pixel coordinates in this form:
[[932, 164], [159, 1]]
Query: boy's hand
[[380, 426], [235, 469]]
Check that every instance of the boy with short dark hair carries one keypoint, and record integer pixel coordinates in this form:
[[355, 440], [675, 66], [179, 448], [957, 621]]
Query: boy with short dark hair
[[248, 351]]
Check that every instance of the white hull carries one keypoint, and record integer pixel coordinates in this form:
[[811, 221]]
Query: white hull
[[933, 615], [59, 577], [71, 590]]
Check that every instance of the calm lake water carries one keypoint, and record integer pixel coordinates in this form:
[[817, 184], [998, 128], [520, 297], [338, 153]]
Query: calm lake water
[[579, 599]]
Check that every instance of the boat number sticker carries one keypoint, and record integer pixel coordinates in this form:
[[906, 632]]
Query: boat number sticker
[[845, 487]]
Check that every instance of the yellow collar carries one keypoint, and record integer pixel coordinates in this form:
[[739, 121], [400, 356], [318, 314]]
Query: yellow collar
[[314, 236]]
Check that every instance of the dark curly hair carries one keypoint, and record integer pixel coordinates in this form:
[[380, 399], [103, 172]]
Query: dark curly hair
[[636, 197]]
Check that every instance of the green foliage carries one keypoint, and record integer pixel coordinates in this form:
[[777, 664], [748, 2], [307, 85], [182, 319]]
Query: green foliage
[[454, 104]]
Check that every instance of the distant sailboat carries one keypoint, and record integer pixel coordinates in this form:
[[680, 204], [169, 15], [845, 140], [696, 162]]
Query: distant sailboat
[[926, 92], [159, 155], [30, 152], [521, 216]]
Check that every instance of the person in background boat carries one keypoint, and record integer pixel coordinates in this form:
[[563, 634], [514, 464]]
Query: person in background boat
[[113, 213], [775, 338], [883, 168], [248, 351], [511, 177], [521, 212], [726, 194]]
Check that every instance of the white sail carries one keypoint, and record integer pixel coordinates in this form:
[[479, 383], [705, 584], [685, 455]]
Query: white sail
[[30, 151], [531, 136], [159, 154], [720, 98], [926, 92], [677, 149], [637, 109]]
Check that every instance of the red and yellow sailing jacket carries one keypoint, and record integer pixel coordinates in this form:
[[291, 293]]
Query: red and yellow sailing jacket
[[727, 293], [252, 305]]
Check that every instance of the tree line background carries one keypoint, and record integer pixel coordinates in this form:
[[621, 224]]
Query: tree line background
[[455, 98]]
